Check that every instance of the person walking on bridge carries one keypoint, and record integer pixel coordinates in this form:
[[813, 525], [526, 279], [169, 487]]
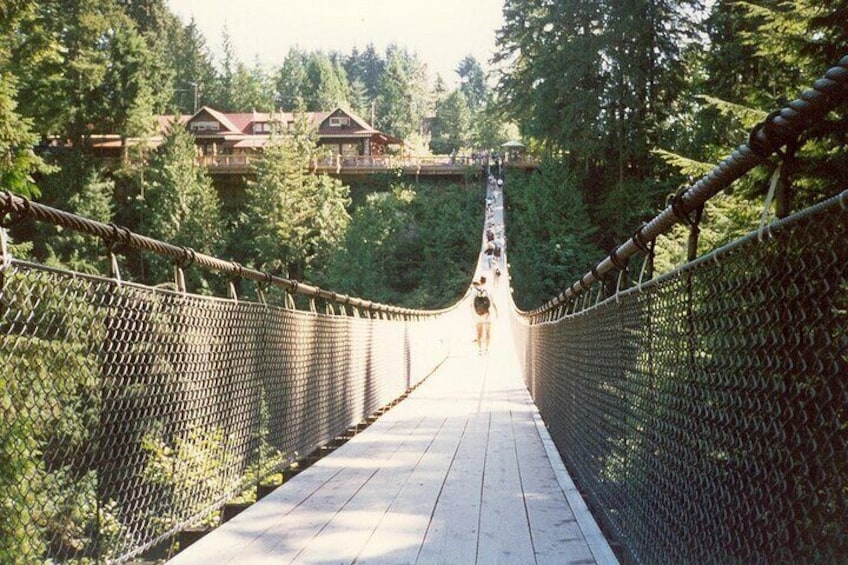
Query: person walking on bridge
[[483, 308]]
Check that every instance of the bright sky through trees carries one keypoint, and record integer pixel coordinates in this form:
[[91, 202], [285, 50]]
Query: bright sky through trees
[[441, 32]]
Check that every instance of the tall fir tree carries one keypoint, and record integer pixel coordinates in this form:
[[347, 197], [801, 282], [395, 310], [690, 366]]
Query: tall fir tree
[[472, 83], [292, 82], [180, 206], [291, 216]]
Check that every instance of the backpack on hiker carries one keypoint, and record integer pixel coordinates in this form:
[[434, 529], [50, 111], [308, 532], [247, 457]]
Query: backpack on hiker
[[482, 303]]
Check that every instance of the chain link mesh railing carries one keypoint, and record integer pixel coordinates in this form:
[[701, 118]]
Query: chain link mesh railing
[[129, 412], [704, 414]]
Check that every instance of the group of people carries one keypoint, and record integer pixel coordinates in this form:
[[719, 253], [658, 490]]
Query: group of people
[[493, 252], [492, 261]]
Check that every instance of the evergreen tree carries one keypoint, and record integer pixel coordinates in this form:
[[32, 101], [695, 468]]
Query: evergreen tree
[[126, 93], [359, 100], [402, 102], [596, 82], [409, 245], [33, 52], [291, 216], [292, 82], [451, 129], [327, 84], [550, 245], [18, 161], [194, 72], [161, 30], [472, 83], [66, 94], [224, 92], [72, 250], [361, 265], [749, 72], [372, 66], [488, 130], [180, 206], [252, 89]]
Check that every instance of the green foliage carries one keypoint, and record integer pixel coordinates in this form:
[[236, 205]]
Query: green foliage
[[180, 206], [726, 217], [187, 468], [688, 167], [18, 161], [547, 229], [252, 89], [291, 217], [94, 199], [328, 85], [473, 83], [49, 411], [127, 93], [292, 82], [401, 104], [595, 84], [410, 246], [451, 129], [194, 71]]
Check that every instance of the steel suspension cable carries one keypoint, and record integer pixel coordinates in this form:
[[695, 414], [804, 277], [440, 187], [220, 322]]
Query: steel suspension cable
[[778, 129]]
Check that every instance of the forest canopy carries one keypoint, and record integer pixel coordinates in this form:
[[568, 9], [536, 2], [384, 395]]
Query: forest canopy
[[621, 103]]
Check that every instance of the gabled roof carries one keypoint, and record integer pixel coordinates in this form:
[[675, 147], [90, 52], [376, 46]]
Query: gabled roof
[[357, 128], [244, 120], [219, 117], [235, 126]]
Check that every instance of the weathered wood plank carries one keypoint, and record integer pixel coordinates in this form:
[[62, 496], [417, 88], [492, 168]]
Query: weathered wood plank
[[460, 472], [400, 531]]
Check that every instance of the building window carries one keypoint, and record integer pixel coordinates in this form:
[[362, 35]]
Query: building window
[[339, 121], [261, 127], [204, 126]]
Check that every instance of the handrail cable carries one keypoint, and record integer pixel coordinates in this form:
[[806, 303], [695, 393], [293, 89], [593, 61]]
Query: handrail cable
[[119, 238], [766, 138]]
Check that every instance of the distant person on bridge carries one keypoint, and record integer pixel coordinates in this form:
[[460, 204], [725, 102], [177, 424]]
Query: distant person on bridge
[[483, 307]]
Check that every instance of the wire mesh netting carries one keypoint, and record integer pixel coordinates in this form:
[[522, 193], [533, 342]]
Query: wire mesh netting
[[129, 412], [705, 414]]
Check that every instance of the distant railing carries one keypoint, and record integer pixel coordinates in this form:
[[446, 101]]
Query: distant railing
[[367, 163], [227, 161]]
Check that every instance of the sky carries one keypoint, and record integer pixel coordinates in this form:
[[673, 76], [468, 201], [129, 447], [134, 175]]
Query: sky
[[441, 32]]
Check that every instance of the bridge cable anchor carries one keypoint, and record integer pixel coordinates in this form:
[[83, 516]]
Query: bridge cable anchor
[[767, 129], [764, 225], [187, 257], [262, 286], [238, 273]]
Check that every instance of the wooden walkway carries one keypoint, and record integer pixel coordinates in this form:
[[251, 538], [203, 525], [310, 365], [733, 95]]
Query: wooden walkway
[[462, 471]]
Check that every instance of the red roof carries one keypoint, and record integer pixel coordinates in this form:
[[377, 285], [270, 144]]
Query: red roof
[[235, 127]]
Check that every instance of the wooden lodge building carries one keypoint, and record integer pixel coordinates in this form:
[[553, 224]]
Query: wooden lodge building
[[235, 135], [228, 142], [231, 143]]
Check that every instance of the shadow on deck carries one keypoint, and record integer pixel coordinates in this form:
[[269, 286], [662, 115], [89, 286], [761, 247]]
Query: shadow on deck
[[462, 471]]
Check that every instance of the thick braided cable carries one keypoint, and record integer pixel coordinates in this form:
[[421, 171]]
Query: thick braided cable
[[766, 138], [19, 207]]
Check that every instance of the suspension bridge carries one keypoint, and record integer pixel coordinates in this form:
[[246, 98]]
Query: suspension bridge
[[695, 416]]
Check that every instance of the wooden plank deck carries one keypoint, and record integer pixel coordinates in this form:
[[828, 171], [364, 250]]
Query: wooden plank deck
[[462, 471]]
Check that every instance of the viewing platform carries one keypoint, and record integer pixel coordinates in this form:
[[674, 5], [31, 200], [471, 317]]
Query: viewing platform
[[434, 165]]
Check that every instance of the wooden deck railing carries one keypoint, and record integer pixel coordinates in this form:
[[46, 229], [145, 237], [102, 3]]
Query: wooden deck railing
[[432, 164]]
